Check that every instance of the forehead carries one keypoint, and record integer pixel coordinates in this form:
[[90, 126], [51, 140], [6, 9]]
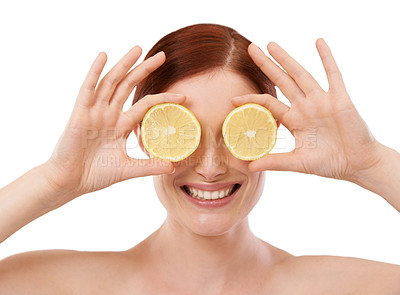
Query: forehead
[[208, 95]]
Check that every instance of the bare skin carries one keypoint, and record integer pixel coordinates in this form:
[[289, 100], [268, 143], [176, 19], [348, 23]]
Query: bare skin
[[200, 251]]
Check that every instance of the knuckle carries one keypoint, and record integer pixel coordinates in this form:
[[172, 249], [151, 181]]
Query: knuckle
[[286, 58], [148, 105], [280, 79], [146, 69], [131, 81], [313, 91], [147, 101], [299, 75], [110, 80], [142, 70], [267, 100], [150, 100], [126, 64], [263, 64], [299, 94], [90, 87]]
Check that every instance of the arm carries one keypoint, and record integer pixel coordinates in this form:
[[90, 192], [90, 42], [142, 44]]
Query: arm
[[24, 200], [332, 140]]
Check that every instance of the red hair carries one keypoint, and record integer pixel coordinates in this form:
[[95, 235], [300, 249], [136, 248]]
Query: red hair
[[200, 48]]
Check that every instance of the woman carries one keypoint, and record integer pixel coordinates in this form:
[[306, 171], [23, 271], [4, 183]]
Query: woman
[[210, 69]]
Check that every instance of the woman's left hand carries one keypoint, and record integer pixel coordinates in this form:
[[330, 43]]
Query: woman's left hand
[[332, 140]]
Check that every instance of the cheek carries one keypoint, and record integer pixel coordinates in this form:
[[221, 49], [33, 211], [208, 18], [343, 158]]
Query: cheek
[[255, 188], [259, 178], [164, 188]]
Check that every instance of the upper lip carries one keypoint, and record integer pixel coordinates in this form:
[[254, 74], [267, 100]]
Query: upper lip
[[211, 187]]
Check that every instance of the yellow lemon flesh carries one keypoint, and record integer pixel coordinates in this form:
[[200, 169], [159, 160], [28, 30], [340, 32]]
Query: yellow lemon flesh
[[249, 131], [170, 131]]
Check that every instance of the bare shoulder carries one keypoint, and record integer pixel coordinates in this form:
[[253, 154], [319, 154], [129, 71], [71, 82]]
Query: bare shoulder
[[62, 272], [338, 275]]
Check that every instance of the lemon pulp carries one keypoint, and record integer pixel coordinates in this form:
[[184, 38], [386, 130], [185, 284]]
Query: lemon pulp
[[170, 131], [249, 131]]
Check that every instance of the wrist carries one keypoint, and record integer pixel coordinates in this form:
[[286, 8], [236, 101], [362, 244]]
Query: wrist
[[52, 195], [381, 178]]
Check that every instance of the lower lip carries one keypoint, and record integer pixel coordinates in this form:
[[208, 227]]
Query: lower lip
[[211, 203]]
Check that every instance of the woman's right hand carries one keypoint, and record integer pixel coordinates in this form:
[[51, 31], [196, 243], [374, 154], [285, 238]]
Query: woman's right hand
[[91, 152]]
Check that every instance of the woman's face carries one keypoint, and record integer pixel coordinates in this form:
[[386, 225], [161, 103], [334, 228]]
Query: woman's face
[[211, 170]]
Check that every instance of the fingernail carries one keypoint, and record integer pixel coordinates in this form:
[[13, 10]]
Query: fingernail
[[176, 95], [159, 53], [258, 47], [134, 49], [173, 171]]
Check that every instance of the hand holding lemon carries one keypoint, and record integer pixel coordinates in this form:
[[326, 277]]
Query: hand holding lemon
[[342, 147], [91, 153]]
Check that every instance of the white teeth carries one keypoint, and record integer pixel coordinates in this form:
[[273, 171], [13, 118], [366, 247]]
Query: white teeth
[[214, 195], [209, 195], [195, 192]]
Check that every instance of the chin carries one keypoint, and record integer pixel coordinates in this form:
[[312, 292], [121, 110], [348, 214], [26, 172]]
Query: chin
[[210, 225]]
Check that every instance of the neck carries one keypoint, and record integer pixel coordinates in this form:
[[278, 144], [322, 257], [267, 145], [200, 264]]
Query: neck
[[203, 259]]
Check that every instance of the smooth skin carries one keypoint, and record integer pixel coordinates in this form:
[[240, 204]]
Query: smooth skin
[[196, 251]]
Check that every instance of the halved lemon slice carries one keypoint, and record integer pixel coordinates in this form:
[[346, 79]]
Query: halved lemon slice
[[170, 131], [249, 131]]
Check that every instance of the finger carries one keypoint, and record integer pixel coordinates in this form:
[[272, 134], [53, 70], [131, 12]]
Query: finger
[[137, 111], [303, 78], [114, 76], [335, 80], [134, 77], [281, 79], [86, 92], [146, 167], [277, 162], [276, 107]]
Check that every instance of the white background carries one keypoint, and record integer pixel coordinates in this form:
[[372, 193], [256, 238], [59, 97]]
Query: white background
[[48, 46]]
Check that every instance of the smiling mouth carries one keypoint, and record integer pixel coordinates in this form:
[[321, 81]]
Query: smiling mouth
[[210, 195]]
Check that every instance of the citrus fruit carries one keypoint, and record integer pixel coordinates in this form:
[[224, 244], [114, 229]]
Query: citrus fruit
[[249, 131], [170, 131]]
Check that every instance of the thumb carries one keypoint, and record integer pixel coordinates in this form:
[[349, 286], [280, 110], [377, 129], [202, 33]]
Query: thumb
[[146, 167], [278, 162]]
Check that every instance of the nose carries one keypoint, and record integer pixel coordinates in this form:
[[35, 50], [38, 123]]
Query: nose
[[211, 157]]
